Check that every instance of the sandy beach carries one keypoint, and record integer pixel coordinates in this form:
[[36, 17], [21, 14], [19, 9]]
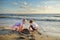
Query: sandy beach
[[7, 34]]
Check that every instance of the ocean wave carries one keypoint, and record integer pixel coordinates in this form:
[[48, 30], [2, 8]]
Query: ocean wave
[[35, 18], [38, 17]]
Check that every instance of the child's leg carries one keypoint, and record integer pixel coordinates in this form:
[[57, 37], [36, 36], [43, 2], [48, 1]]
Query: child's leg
[[20, 28]]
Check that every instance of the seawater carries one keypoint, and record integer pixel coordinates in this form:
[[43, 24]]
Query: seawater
[[48, 23]]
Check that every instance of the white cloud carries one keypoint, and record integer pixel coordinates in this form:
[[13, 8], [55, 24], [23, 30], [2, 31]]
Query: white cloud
[[23, 5], [14, 3], [46, 9], [27, 8]]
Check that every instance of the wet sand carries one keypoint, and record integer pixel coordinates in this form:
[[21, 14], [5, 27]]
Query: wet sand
[[6, 34]]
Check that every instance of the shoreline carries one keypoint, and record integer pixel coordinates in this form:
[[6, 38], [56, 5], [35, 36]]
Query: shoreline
[[6, 34]]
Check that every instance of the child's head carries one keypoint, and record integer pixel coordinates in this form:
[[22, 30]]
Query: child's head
[[31, 21], [24, 21]]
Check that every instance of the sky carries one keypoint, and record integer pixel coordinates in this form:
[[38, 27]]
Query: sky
[[30, 6]]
